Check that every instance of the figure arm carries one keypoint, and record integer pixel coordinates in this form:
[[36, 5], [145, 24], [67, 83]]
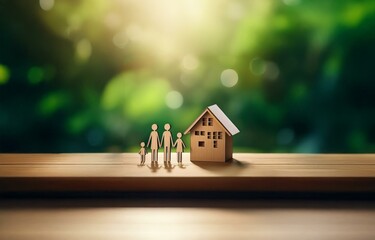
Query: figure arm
[[162, 139], [171, 138], [183, 144], [149, 139]]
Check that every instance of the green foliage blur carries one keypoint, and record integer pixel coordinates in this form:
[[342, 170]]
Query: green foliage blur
[[93, 75]]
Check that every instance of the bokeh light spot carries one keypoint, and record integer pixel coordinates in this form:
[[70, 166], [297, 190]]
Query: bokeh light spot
[[46, 5], [120, 40], [189, 62], [174, 99], [4, 74], [229, 78], [272, 71], [113, 20], [35, 75], [257, 66], [52, 102], [83, 49]]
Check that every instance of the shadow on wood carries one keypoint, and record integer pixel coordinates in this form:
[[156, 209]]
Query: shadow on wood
[[233, 166]]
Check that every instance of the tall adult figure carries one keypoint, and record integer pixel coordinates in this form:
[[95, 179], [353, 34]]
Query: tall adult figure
[[168, 142], [155, 143]]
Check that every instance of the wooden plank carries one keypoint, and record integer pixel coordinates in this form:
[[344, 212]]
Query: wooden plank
[[247, 172], [171, 219], [131, 158]]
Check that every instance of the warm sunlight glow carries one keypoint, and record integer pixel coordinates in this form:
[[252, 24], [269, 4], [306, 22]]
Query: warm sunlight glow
[[164, 27]]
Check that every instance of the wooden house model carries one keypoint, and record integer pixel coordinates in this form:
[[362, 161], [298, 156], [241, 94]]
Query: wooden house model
[[211, 136]]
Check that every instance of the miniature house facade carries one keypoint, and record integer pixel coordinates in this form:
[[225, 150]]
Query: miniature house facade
[[211, 136]]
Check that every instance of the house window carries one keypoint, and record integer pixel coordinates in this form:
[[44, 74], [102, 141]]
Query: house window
[[215, 135], [220, 135], [196, 132], [208, 135], [201, 144], [209, 121], [202, 133], [204, 121], [215, 144]]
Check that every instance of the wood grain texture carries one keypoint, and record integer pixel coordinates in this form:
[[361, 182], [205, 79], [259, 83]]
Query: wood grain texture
[[173, 219], [247, 172]]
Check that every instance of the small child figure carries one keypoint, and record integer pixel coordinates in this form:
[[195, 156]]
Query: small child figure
[[180, 147], [143, 153]]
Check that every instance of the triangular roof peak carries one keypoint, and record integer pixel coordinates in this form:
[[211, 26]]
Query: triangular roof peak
[[227, 124]]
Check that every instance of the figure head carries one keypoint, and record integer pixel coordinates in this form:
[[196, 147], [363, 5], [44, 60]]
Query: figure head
[[179, 135], [167, 126], [142, 144], [154, 127]]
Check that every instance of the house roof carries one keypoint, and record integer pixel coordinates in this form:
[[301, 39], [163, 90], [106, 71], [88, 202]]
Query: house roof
[[227, 124]]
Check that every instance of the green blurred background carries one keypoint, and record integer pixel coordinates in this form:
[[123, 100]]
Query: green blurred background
[[93, 75]]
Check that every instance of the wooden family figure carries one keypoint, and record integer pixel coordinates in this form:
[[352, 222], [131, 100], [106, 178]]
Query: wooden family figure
[[155, 143], [210, 139]]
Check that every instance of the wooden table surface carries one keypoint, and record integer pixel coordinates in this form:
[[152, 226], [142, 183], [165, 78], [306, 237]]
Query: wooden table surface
[[247, 172], [91, 219], [154, 216]]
